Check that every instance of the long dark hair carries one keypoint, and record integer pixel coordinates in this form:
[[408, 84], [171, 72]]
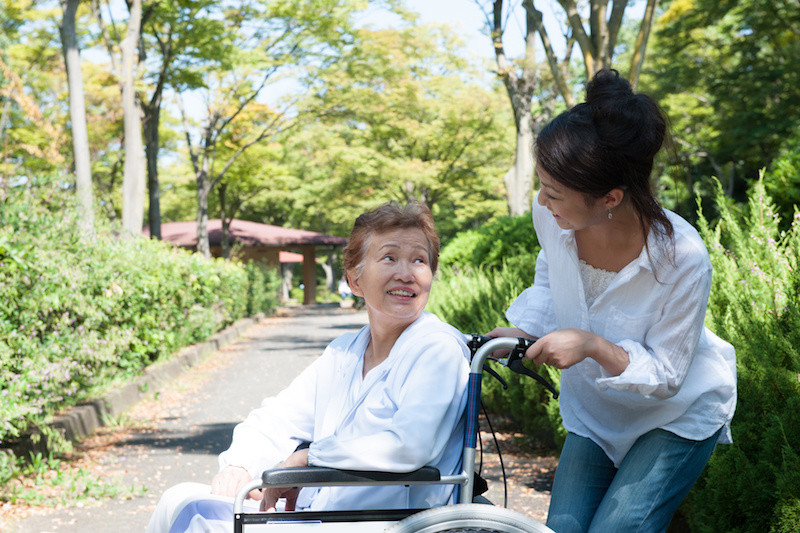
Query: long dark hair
[[609, 141]]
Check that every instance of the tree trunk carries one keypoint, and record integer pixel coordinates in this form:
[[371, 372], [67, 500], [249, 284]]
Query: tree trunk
[[327, 268], [77, 113], [641, 42], [519, 178], [151, 119], [133, 180], [286, 281], [203, 190], [224, 221]]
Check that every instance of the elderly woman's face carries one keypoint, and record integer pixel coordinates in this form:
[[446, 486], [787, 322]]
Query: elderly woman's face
[[396, 280]]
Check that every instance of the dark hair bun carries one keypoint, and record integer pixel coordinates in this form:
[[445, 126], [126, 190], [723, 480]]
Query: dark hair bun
[[625, 121]]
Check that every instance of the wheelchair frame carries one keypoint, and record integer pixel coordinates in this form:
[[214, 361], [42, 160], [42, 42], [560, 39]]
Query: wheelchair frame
[[481, 349]]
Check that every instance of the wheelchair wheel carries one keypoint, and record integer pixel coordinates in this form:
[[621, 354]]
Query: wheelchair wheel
[[468, 518]]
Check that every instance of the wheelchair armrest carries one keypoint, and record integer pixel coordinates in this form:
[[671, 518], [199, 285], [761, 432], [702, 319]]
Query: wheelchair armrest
[[311, 476]]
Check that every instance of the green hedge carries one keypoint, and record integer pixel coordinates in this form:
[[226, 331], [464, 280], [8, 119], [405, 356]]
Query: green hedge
[[753, 485], [489, 246], [483, 271], [78, 314]]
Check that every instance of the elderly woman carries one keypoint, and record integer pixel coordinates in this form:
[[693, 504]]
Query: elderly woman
[[389, 398]]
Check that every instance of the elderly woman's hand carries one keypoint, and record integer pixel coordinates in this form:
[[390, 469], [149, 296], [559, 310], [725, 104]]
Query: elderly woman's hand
[[271, 496], [230, 479]]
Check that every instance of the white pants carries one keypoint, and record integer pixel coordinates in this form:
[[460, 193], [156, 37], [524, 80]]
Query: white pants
[[190, 507]]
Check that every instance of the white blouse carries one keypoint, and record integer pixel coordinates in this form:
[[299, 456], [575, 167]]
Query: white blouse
[[681, 377], [595, 281]]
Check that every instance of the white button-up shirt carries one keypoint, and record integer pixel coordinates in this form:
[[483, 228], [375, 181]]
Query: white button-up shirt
[[681, 377]]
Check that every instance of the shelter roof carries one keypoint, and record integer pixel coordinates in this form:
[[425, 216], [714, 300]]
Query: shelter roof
[[246, 233]]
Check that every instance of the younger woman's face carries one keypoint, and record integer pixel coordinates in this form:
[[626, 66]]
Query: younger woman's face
[[568, 206]]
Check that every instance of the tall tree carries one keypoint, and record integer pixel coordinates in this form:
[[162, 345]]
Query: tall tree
[[401, 124], [177, 38], [265, 39], [178, 35], [77, 108], [133, 182], [595, 29], [520, 86]]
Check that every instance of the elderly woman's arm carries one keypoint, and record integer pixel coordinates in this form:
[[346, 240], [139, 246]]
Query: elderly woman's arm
[[273, 431]]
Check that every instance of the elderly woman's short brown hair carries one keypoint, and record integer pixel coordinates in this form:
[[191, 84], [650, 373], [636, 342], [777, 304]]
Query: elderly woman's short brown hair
[[388, 217]]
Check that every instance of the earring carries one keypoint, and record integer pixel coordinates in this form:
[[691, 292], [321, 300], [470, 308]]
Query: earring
[[610, 216]]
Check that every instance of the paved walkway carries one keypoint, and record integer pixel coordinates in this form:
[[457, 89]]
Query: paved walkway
[[178, 434]]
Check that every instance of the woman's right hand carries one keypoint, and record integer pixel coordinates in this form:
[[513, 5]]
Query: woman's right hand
[[230, 479], [506, 332]]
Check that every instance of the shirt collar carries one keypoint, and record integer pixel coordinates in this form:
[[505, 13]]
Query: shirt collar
[[566, 238]]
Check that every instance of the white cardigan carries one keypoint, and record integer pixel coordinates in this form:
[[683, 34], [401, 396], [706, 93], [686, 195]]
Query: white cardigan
[[406, 413], [681, 377]]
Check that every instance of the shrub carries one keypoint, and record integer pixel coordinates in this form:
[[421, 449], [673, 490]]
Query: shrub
[[782, 182], [754, 484], [492, 244], [263, 284], [79, 314], [483, 271]]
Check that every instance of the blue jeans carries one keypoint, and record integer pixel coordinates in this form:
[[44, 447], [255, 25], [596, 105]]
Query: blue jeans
[[590, 494]]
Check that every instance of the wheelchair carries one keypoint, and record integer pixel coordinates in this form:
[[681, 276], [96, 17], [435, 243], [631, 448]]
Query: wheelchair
[[462, 517]]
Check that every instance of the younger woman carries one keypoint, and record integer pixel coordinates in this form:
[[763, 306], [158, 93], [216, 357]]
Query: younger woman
[[618, 303]]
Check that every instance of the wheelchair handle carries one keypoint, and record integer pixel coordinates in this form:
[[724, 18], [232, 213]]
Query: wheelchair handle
[[481, 347]]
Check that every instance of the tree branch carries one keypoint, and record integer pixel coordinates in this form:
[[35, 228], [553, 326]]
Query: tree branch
[[614, 25], [641, 42], [552, 60], [106, 36], [579, 34], [192, 153]]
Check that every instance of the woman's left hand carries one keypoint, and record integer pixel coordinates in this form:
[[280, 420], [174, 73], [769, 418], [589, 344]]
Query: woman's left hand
[[562, 348], [271, 496]]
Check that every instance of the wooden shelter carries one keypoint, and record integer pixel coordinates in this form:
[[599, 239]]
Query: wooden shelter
[[258, 242]]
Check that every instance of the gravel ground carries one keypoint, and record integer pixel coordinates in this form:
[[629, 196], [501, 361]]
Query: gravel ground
[[176, 434]]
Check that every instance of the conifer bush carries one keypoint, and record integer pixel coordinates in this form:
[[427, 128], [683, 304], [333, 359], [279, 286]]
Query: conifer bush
[[483, 271], [753, 485]]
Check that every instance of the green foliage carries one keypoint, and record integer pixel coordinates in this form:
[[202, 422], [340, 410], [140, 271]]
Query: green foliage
[[399, 118], [491, 244], [782, 182], [77, 315], [754, 484], [262, 288], [53, 481], [483, 271], [709, 61]]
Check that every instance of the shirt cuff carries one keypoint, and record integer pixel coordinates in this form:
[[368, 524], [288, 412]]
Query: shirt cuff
[[637, 377]]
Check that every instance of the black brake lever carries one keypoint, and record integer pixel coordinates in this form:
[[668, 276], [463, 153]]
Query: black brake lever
[[515, 364], [519, 368], [489, 370], [514, 361]]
